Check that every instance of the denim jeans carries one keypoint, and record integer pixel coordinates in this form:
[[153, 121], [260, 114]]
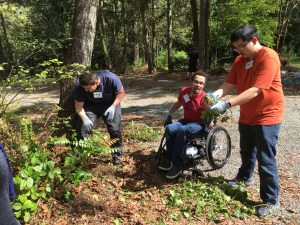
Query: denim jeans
[[113, 126], [259, 142], [176, 139]]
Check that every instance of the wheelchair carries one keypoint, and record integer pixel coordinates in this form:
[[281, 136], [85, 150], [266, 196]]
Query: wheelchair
[[213, 145]]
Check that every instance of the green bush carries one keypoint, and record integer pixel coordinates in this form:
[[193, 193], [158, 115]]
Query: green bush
[[179, 60]]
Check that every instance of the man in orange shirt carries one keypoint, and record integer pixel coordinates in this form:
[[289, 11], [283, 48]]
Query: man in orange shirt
[[255, 74]]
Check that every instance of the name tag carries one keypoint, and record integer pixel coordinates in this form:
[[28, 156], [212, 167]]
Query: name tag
[[98, 95], [249, 65], [186, 98]]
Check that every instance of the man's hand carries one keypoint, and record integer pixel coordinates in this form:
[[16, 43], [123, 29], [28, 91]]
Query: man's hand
[[87, 124], [220, 107], [168, 120], [110, 112]]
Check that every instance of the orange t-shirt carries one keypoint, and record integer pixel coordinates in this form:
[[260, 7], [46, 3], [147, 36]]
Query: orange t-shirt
[[264, 73]]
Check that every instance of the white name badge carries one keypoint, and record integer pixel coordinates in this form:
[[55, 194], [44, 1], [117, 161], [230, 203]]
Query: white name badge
[[98, 94], [249, 65], [186, 98]]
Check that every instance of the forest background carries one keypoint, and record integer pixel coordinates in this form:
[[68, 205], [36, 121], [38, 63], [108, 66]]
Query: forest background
[[51, 42]]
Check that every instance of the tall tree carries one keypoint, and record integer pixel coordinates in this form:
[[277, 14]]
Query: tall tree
[[169, 35], [204, 49], [196, 34], [80, 49], [6, 48], [285, 11]]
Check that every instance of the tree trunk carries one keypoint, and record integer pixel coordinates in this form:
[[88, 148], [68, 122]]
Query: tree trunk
[[79, 51], [195, 25], [152, 64], [204, 34], [285, 12], [6, 46], [169, 35], [123, 60], [106, 61], [147, 53], [136, 44]]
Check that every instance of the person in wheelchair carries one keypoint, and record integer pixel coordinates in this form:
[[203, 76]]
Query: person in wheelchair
[[192, 100]]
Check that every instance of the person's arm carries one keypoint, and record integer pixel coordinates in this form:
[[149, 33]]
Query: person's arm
[[79, 109], [175, 107], [245, 96], [119, 97]]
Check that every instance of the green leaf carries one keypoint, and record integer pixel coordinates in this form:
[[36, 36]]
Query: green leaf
[[29, 182], [48, 189], [26, 217], [17, 206], [28, 204]]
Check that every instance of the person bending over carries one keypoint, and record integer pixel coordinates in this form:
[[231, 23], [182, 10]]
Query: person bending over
[[99, 95]]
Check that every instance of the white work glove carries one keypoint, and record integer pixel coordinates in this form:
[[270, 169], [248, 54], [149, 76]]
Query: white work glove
[[218, 93], [87, 124], [110, 112], [220, 107]]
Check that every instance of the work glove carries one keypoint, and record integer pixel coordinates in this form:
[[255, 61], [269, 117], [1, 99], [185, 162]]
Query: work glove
[[87, 124], [220, 107], [168, 120], [110, 112]]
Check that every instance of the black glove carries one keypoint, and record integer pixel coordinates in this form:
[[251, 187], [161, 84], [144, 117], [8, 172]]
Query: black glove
[[168, 120]]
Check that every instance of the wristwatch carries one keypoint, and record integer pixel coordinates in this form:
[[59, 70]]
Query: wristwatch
[[228, 103]]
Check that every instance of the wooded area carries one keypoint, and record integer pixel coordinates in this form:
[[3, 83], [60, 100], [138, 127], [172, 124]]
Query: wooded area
[[52, 42], [121, 35]]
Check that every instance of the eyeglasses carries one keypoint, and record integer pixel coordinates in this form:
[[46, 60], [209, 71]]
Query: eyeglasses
[[240, 47], [198, 82]]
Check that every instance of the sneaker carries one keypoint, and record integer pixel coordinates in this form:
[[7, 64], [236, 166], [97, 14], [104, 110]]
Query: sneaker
[[266, 210], [238, 179], [165, 165], [174, 172], [116, 160]]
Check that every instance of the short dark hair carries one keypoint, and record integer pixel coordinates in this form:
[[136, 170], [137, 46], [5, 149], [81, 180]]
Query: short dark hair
[[245, 32], [88, 78], [199, 73]]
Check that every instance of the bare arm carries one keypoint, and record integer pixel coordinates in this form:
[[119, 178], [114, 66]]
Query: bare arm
[[119, 97], [175, 107], [245, 96], [79, 109]]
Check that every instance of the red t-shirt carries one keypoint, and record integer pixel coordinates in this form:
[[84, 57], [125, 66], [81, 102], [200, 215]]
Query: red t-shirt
[[264, 73], [192, 106]]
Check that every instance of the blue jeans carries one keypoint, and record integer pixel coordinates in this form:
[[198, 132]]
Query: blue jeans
[[258, 142], [176, 139]]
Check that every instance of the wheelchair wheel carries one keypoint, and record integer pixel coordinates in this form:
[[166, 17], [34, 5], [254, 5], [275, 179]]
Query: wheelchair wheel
[[161, 149], [218, 147]]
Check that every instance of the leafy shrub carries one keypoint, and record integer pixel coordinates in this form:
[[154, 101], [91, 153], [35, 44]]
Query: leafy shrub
[[179, 60]]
